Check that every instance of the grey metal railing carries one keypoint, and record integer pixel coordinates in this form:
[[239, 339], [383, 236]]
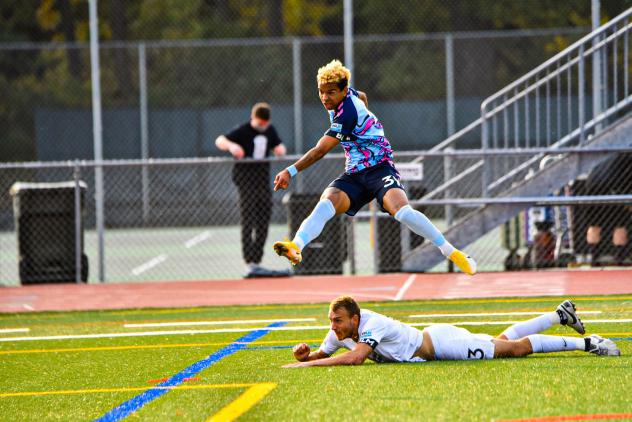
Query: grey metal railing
[[556, 104]]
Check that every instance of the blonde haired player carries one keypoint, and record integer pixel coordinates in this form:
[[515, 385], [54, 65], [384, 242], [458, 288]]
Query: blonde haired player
[[373, 336], [369, 171]]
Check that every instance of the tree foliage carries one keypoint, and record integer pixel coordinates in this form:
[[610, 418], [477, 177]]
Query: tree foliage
[[234, 76]]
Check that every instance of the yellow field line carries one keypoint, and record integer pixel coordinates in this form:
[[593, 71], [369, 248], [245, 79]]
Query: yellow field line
[[148, 346], [122, 390], [614, 334], [243, 403], [255, 393]]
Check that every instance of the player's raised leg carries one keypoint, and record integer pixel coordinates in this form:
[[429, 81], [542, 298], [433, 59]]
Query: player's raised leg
[[396, 203], [332, 202], [539, 343], [565, 314]]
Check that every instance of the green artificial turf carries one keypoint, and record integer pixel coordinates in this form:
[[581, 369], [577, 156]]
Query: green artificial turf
[[573, 383]]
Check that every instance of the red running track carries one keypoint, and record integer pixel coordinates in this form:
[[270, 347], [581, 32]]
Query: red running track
[[314, 289]]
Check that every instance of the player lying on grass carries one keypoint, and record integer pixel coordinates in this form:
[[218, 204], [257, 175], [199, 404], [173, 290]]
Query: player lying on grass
[[369, 171], [369, 335]]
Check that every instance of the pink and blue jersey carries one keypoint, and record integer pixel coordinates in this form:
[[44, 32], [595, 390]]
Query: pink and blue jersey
[[360, 133]]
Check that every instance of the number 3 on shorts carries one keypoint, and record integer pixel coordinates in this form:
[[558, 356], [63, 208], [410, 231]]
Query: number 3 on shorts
[[389, 180], [475, 354]]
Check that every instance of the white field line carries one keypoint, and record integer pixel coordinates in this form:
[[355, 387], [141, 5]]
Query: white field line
[[14, 330], [149, 264], [409, 281], [197, 239], [374, 289], [28, 307], [488, 314], [245, 330], [224, 322], [589, 321], [165, 333]]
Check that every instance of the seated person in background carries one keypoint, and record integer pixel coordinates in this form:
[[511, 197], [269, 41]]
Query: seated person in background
[[612, 177]]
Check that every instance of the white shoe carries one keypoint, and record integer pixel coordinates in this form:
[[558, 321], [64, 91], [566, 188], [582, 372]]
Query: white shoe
[[602, 346], [568, 316]]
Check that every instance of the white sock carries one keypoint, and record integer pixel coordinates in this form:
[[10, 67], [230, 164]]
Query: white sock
[[544, 344], [421, 225], [313, 225], [532, 326]]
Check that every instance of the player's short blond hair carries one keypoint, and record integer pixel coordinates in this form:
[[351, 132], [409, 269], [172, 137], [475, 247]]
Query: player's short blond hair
[[345, 302], [334, 72]]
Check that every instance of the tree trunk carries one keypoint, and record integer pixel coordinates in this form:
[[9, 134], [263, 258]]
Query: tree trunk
[[122, 71], [68, 29], [275, 18]]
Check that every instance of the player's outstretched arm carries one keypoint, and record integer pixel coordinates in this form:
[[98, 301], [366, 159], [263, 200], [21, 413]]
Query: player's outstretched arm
[[357, 356], [324, 145], [302, 353]]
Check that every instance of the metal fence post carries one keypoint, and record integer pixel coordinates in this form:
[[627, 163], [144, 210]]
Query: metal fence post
[[98, 134], [348, 33], [484, 146], [144, 126], [298, 102], [581, 96], [298, 97], [449, 209], [78, 240], [596, 66], [449, 83], [450, 116]]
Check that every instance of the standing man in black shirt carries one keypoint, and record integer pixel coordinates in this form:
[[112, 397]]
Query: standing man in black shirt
[[255, 139]]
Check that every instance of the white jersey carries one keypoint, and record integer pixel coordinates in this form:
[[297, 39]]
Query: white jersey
[[391, 340]]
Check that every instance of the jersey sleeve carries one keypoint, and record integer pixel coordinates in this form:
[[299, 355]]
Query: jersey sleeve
[[372, 333], [344, 121], [330, 344], [275, 140], [237, 135]]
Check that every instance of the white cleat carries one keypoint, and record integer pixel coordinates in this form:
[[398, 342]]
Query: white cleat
[[568, 316], [602, 346]]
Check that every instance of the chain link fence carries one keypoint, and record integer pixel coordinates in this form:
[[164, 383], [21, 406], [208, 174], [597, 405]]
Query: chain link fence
[[171, 98], [171, 84], [182, 220]]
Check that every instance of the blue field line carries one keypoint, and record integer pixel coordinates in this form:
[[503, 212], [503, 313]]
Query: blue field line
[[620, 338], [125, 409]]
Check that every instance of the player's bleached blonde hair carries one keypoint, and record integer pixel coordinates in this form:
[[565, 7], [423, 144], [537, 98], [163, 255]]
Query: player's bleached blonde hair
[[334, 72], [345, 302]]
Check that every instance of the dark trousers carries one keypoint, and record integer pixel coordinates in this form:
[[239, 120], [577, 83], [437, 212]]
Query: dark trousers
[[255, 205]]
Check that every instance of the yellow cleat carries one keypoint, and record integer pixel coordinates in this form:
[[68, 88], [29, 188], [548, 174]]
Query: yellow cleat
[[288, 249], [465, 262]]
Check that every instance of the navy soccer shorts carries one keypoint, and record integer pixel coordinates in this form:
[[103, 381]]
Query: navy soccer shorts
[[362, 187]]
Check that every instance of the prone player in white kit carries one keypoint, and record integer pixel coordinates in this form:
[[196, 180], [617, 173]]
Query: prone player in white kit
[[369, 335]]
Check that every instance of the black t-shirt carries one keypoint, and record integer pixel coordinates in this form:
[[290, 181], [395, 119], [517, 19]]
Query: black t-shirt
[[257, 145]]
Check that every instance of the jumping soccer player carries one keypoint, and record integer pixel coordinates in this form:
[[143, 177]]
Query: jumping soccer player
[[369, 171], [369, 335]]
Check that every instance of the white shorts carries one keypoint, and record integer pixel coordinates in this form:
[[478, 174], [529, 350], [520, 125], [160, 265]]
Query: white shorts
[[454, 343]]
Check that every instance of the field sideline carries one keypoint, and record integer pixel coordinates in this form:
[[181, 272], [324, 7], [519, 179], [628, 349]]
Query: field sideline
[[221, 363]]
